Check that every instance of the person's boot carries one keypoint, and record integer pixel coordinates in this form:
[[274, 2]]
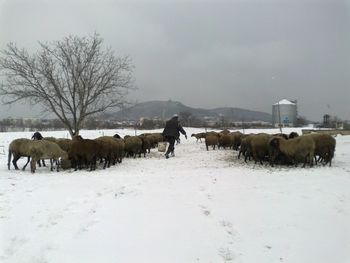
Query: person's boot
[[167, 156]]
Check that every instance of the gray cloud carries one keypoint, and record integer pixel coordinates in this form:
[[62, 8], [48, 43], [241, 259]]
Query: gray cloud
[[245, 54]]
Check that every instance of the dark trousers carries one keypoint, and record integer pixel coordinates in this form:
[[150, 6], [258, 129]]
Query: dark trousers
[[171, 141]]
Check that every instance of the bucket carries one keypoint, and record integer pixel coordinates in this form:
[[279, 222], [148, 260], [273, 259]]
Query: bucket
[[162, 146]]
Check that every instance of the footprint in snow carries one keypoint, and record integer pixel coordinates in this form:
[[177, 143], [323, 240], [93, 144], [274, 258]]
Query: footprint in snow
[[205, 210], [226, 254], [228, 227]]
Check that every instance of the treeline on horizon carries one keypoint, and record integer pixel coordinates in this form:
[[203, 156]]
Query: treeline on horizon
[[19, 124]]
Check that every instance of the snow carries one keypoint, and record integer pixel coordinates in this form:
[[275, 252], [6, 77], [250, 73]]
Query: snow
[[284, 102], [199, 206]]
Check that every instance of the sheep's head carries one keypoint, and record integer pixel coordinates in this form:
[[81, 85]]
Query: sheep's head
[[293, 135], [66, 164]]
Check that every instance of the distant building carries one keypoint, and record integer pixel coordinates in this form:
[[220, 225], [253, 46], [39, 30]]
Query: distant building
[[326, 120], [284, 113]]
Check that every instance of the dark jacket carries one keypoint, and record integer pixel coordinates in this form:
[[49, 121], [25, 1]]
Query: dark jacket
[[172, 128]]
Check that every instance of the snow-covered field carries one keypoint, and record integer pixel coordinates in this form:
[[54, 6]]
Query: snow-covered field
[[196, 207]]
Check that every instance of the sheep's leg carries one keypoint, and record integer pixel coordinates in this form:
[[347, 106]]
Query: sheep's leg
[[24, 167], [33, 165], [75, 165], [308, 159], [93, 164], [296, 163], [57, 165], [105, 163], [311, 159], [51, 163]]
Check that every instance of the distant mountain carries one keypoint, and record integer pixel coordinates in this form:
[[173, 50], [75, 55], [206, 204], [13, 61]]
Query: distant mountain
[[165, 109]]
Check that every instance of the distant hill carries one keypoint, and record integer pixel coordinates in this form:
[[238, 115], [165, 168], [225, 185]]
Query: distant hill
[[165, 109]]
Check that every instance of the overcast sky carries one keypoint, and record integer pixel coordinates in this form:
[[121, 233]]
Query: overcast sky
[[246, 54]]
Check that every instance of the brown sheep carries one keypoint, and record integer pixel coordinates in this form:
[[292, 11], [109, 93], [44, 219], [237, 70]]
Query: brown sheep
[[35, 149], [225, 140], [38, 136], [83, 152], [65, 144], [226, 131], [18, 148], [111, 150], [146, 144], [324, 147], [154, 138], [51, 139], [106, 150], [199, 136], [43, 149], [158, 137], [236, 139], [120, 150], [211, 139], [133, 146], [283, 135], [246, 148], [297, 149], [259, 146]]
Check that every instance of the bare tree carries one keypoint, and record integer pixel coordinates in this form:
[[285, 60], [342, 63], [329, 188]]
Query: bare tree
[[74, 78], [185, 117]]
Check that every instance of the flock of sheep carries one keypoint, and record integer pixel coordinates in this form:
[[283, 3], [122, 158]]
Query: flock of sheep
[[278, 148], [80, 153]]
